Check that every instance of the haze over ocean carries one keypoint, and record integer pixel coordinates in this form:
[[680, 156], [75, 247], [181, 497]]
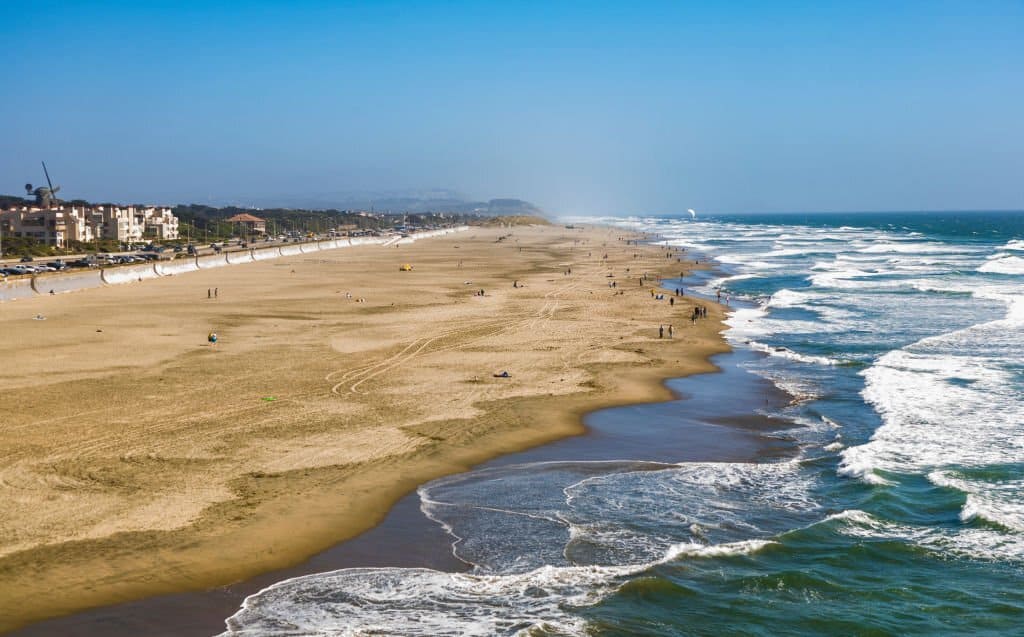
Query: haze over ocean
[[580, 107]]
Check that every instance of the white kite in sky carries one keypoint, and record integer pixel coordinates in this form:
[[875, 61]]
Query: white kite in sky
[[693, 213]]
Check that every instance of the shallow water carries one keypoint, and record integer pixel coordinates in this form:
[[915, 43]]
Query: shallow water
[[888, 499]]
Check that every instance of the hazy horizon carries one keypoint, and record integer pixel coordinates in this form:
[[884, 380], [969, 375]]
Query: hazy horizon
[[577, 108]]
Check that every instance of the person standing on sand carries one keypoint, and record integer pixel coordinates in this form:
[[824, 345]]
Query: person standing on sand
[[661, 331], [671, 301], [215, 290], [670, 331], [209, 293]]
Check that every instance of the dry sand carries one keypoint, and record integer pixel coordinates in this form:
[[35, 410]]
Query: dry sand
[[135, 459]]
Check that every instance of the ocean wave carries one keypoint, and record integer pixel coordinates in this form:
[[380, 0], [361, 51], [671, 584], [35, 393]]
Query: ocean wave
[[695, 549], [1004, 265], [961, 381], [785, 352], [994, 501], [746, 322], [971, 543], [423, 602], [789, 298], [912, 247], [685, 511]]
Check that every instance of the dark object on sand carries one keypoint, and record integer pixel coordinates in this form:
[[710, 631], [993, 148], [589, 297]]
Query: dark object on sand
[[504, 374]]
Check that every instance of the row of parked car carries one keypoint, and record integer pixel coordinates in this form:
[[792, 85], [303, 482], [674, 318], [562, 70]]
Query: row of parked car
[[28, 266]]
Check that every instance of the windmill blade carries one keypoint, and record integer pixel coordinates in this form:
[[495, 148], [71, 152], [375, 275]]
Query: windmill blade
[[47, 173]]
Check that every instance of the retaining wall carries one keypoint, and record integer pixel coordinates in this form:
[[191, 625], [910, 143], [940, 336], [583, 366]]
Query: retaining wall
[[15, 289], [266, 253], [309, 247], [211, 261], [128, 273], [362, 241], [290, 250], [178, 266], [242, 256], [60, 283]]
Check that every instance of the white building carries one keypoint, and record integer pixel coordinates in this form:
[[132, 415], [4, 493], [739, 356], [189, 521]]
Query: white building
[[61, 225]]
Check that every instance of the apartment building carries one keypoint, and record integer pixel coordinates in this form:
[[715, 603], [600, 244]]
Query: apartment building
[[63, 224]]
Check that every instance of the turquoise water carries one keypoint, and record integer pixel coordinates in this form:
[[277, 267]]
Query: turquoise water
[[899, 511]]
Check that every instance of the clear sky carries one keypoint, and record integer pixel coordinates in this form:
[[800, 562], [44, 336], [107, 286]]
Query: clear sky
[[580, 107]]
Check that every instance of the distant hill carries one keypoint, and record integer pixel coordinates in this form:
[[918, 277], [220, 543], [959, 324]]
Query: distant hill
[[515, 220], [393, 202], [400, 202]]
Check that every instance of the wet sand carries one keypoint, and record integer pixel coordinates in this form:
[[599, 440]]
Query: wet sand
[[713, 419], [140, 462]]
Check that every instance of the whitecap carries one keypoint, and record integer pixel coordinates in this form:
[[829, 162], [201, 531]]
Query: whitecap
[[1005, 265]]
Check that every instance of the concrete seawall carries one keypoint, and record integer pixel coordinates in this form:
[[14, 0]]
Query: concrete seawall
[[211, 261], [242, 256], [129, 274], [265, 253], [178, 266], [59, 283], [15, 289]]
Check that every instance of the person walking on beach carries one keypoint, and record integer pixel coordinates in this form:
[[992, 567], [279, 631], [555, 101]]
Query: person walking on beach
[[209, 293], [671, 301], [661, 331], [215, 290], [670, 331]]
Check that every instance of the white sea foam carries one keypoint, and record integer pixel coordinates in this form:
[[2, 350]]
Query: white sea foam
[[675, 514], [971, 543], [745, 323], [997, 502], [914, 247], [1004, 265], [790, 298], [423, 602], [785, 352], [695, 549], [963, 382]]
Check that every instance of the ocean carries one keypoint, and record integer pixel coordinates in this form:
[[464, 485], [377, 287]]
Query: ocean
[[886, 496]]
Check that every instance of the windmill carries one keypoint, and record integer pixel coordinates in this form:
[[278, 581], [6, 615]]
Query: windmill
[[45, 195]]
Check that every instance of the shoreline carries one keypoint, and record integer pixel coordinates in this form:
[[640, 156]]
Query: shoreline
[[553, 417]]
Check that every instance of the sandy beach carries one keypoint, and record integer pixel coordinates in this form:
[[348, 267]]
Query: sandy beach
[[139, 460]]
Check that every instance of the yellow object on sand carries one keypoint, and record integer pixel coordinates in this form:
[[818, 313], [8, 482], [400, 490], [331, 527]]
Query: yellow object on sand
[[405, 267]]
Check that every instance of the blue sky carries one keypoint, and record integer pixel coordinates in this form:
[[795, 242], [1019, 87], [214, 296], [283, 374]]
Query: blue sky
[[581, 107]]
